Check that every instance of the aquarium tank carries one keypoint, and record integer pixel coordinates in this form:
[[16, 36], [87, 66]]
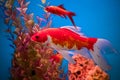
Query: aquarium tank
[[59, 40]]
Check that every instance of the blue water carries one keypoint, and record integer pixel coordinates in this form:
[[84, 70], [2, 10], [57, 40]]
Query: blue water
[[97, 18]]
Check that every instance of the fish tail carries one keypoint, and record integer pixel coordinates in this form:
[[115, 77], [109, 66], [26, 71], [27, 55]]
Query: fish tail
[[70, 14], [97, 48]]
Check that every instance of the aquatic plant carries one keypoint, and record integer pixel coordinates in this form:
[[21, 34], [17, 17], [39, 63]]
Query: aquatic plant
[[31, 60], [85, 69]]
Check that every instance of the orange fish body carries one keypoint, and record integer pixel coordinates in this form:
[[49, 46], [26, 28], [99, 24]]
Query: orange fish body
[[64, 39], [60, 10]]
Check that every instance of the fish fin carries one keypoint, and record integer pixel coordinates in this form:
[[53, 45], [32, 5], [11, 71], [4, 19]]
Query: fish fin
[[101, 46], [63, 16], [106, 46], [66, 55], [78, 31], [70, 14], [61, 6], [99, 60], [84, 52], [72, 29]]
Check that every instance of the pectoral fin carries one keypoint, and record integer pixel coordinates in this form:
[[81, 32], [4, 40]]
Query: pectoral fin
[[61, 6], [66, 55], [84, 52]]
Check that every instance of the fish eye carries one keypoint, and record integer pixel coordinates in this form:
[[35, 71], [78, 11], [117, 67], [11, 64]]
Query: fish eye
[[37, 37]]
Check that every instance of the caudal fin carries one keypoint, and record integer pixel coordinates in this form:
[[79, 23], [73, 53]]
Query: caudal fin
[[101, 46], [70, 14]]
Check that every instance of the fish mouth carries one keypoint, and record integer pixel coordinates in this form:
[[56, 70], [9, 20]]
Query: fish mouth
[[45, 10], [33, 39]]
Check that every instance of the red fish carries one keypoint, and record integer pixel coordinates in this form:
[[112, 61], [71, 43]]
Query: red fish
[[60, 10], [64, 39]]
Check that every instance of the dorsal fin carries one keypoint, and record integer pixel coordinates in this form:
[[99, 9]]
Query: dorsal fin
[[61, 6], [78, 31]]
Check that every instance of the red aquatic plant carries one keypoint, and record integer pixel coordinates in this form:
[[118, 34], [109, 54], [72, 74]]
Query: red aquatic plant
[[31, 61]]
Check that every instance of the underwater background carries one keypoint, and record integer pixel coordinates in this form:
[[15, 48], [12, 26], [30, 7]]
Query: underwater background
[[97, 18]]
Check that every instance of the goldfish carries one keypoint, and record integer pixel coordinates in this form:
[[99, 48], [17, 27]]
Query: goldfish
[[61, 11], [67, 38]]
